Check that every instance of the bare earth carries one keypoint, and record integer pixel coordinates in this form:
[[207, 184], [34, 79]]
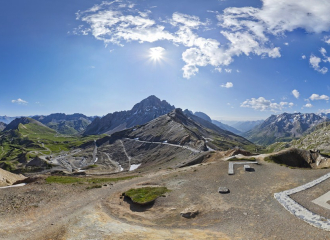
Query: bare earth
[[53, 211]]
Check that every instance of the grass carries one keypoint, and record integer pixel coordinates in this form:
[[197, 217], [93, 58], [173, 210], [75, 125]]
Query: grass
[[242, 159], [81, 180], [94, 186], [145, 195], [18, 144]]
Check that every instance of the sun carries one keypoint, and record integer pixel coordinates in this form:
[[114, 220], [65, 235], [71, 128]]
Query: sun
[[156, 53]]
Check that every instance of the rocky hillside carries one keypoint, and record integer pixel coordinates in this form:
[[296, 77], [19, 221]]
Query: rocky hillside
[[300, 158], [178, 128], [317, 140], [143, 112], [169, 141], [66, 124], [283, 127], [2, 126]]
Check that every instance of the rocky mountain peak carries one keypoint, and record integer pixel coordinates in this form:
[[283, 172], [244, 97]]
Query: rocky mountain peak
[[151, 103], [142, 112]]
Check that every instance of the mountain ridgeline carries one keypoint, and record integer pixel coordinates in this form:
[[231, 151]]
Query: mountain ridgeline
[[283, 128], [142, 112]]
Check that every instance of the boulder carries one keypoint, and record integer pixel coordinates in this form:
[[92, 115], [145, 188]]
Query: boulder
[[189, 212], [223, 190]]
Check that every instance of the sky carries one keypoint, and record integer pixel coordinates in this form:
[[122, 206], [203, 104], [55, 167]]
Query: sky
[[232, 59]]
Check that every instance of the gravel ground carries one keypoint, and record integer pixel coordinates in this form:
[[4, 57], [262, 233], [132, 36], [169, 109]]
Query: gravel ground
[[249, 211]]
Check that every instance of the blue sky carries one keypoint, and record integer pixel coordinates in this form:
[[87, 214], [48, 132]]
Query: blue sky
[[234, 60]]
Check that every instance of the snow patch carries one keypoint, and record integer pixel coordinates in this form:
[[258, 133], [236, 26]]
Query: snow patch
[[134, 166]]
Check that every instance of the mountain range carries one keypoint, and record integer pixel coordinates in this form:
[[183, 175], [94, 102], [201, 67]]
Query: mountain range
[[283, 127], [66, 124]]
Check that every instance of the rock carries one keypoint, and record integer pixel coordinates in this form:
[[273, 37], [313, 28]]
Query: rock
[[189, 212], [223, 190]]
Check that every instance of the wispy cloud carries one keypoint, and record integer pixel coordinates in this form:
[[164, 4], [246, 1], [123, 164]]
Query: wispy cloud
[[19, 101], [227, 85], [263, 104]]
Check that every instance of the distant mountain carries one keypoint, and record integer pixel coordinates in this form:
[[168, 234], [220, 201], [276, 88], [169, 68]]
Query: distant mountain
[[6, 119], [217, 123], [2, 126], [243, 126], [226, 127], [203, 116], [143, 112], [205, 123], [18, 122], [283, 127], [66, 124]]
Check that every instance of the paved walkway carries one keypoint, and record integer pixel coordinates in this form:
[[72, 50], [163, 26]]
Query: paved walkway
[[322, 201], [298, 210]]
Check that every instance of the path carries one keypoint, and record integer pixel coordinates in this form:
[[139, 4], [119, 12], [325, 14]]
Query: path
[[169, 144], [114, 163], [129, 158]]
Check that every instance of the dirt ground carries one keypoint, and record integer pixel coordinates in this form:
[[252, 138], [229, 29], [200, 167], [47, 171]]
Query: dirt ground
[[54, 211]]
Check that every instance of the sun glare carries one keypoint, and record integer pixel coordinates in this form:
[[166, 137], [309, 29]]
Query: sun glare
[[156, 53]]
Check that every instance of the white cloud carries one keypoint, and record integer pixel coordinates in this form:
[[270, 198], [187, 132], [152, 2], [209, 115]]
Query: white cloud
[[308, 105], [323, 51], [315, 62], [314, 97], [263, 104], [295, 93], [19, 101], [228, 70], [247, 29], [303, 57], [218, 69], [327, 39], [227, 85], [286, 44]]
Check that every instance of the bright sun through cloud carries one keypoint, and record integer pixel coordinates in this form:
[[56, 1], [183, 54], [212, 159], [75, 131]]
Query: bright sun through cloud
[[156, 53]]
